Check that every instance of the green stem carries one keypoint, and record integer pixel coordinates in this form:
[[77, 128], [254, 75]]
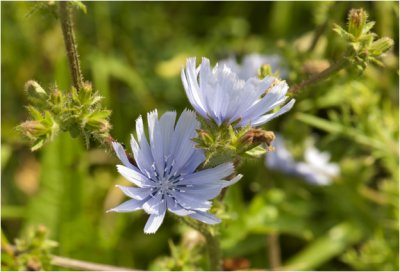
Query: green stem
[[70, 44], [212, 242], [339, 65], [274, 251]]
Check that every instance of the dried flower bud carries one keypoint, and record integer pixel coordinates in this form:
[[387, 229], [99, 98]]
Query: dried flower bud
[[257, 136], [357, 20]]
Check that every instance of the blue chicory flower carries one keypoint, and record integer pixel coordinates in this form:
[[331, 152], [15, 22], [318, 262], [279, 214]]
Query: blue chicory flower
[[316, 168], [251, 63], [165, 176], [219, 94]]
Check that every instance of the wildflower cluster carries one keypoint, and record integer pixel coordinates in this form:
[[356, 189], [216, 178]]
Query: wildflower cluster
[[362, 44], [171, 173], [30, 253], [80, 112]]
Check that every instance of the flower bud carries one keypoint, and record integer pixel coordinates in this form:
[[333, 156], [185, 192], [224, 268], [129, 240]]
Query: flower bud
[[36, 93], [357, 20], [380, 46], [264, 71], [205, 137], [33, 129]]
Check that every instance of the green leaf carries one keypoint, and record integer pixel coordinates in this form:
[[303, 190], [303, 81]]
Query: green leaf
[[330, 245], [256, 152]]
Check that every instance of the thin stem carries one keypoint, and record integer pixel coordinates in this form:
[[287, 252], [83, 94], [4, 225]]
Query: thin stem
[[66, 262], [339, 65], [85, 266], [317, 35], [274, 251], [213, 245], [70, 44]]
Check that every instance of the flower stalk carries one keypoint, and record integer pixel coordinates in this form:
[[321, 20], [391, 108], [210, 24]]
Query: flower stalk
[[334, 68], [70, 44], [212, 242]]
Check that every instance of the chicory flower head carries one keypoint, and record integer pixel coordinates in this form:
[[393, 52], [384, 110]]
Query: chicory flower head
[[165, 175], [316, 169], [219, 94], [251, 63]]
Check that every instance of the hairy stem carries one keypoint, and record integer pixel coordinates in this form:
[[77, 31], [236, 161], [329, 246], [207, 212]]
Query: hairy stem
[[213, 245], [70, 44], [339, 65]]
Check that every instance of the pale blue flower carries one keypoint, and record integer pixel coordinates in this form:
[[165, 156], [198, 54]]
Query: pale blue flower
[[251, 63], [219, 94], [316, 169], [165, 176]]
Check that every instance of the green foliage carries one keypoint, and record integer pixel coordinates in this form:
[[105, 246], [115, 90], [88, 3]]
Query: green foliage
[[364, 47], [32, 252], [183, 257], [126, 50], [225, 143], [78, 112]]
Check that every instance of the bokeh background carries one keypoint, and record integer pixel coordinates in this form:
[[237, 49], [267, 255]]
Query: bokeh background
[[133, 53]]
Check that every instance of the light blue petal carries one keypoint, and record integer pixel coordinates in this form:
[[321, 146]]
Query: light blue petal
[[274, 98], [152, 205], [143, 155], [312, 175], [207, 191], [191, 203], [205, 217], [182, 144], [177, 209], [232, 181], [280, 158], [191, 86], [128, 206], [266, 118], [193, 162], [167, 122], [203, 194], [156, 141], [133, 176], [155, 221], [254, 88], [120, 151], [217, 173], [135, 192]]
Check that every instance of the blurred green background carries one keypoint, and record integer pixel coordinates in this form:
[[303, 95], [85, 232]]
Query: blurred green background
[[133, 53]]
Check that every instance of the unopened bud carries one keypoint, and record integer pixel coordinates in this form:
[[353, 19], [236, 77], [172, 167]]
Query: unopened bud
[[32, 129], [56, 97], [97, 122], [87, 87], [41, 232], [35, 92], [380, 46], [264, 71], [205, 137], [357, 20]]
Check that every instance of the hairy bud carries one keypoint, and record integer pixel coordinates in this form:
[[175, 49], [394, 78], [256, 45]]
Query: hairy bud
[[357, 20]]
